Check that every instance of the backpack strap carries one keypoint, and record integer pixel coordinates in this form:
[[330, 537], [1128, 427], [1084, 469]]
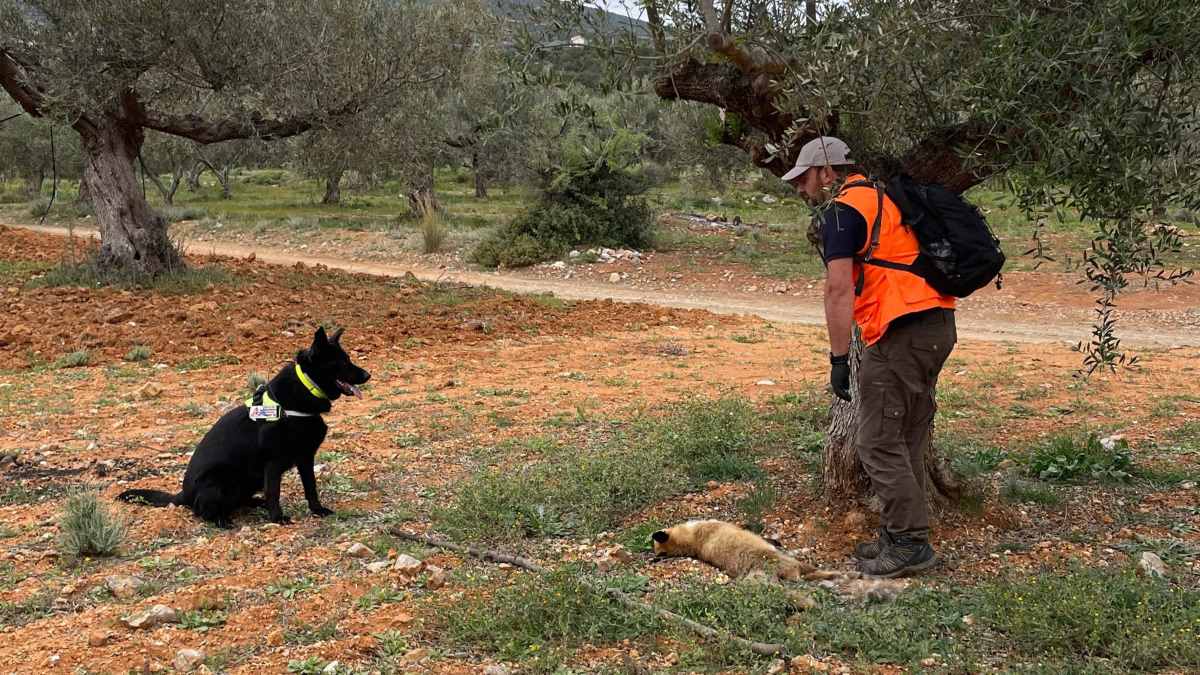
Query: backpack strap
[[874, 231]]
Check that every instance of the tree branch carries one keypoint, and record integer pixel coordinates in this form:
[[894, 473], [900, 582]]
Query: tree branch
[[16, 82], [206, 131], [761, 648]]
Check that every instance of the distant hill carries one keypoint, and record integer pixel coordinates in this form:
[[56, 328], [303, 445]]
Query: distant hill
[[605, 21]]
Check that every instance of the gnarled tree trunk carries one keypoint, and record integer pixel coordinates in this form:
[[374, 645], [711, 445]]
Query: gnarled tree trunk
[[133, 238], [193, 176], [480, 185], [333, 188], [33, 184]]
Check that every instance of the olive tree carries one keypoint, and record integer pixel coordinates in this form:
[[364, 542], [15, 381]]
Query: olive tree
[[1079, 104], [209, 71]]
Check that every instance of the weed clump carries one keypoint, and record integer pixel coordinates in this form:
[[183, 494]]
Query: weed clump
[[88, 528], [1072, 457]]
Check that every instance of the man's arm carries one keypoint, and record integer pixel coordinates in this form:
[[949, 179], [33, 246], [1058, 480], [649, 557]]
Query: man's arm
[[839, 304]]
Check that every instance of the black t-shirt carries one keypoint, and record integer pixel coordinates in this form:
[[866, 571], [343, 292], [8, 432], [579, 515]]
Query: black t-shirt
[[843, 232]]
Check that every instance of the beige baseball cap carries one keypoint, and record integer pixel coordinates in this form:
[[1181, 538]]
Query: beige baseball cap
[[820, 151]]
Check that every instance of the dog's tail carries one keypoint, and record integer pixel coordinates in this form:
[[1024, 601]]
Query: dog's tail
[[151, 497]]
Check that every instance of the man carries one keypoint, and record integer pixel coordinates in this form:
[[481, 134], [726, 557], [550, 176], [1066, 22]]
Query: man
[[908, 329]]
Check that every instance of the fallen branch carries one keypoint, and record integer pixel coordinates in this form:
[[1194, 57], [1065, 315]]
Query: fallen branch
[[761, 648]]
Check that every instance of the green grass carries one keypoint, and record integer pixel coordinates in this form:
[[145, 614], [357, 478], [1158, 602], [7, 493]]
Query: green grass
[[1080, 456], [138, 353], [1093, 614], [207, 361], [587, 490], [77, 359], [202, 620], [538, 614], [36, 606], [189, 281], [1020, 491], [301, 633], [17, 272], [288, 589]]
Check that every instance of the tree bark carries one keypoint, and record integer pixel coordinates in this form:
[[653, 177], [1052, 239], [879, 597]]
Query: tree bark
[[480, 184], [193, 176], [333, 187], [133, 238], [33, 184], [422, 199]]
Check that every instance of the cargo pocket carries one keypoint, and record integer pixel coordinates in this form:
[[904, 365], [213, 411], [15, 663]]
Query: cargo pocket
[[881, 422]]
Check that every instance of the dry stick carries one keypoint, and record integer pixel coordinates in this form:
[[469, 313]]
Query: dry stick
[[761, 648]]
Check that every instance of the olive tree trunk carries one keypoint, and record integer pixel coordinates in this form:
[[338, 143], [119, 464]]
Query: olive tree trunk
[[133, 238], [333, 188], [480, 184]]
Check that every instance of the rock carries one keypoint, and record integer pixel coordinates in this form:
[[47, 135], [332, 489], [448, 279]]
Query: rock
[[251, 257], [574, 254], [1110, 443], [929, 662], [559, 265], [99, 638], [415, 655], [149, 618], [1188, 485], [187, 660], [123, 587], [614, 278], [765, 383], [358, 550], [497, 670], [331, 668], [968, 619], [437, 578], [148, 391], [118, 315], [612, 557], [408, 565], [777, 666], [248, 327], [275, 638], [1151, 565], [808, 664], [379, 567]]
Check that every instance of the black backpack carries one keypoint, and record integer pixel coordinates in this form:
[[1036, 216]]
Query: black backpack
[[958, 252]]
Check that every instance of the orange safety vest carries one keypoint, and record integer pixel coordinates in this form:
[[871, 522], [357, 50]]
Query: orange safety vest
[[886, 294]]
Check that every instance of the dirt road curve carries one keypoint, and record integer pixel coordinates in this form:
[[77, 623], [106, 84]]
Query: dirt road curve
[[782, 309]]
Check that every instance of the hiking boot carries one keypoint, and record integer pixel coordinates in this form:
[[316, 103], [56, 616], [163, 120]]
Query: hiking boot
[[899, 557], [870, 550]]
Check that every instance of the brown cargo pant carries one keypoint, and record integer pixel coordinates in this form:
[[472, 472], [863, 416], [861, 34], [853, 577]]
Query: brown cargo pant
[[897, 380]]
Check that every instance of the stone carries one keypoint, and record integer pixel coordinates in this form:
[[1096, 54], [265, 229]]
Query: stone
[[768, 199], [149, 618], [99, 638], [379, 567], [415, 655], [614, 278], [559, 265], [118, 315], [187, 660], [359, 550], [408, 565], [148, 391], [765, 383], [777, 666], [612, 557], [807, 664], [331, 668], [574, 254], [123, 587], [437, 578], [1151, 565], [248, 327], [497, 669], [275, 638]]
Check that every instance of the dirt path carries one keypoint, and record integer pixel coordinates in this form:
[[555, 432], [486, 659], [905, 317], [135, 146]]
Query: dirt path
[[781, 309]]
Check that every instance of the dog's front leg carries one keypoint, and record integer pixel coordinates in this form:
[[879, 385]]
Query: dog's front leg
[[309, 479], [274, 476]]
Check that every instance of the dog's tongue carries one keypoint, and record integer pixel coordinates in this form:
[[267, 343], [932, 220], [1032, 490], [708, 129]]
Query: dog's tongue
[[350, 389]]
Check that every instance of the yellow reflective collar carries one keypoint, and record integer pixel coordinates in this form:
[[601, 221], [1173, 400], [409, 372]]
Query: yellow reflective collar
[[307, 382]]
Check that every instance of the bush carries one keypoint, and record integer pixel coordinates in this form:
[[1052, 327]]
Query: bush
[[39, 207], [433, 233], [74, 360], [1072, 457], [597, 205], [138, 353], [87, 527]]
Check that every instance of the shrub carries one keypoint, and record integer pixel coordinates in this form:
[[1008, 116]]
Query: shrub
[[87, 527], [74, 359], [138, 353], [433, 233], [39, 207], [596, 204], [1072, 457]]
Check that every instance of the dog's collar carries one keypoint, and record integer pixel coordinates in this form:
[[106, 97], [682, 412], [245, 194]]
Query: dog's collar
[[309, 384], [263, 408]]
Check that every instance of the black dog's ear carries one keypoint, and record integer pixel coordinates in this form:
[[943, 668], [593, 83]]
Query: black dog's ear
[[661, 536], [320, 339], [336, 338]]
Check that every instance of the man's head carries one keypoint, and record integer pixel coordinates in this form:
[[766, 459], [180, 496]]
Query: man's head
[[820, 162]]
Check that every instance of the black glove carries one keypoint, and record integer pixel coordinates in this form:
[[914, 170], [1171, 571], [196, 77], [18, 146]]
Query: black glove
[[839, 375]]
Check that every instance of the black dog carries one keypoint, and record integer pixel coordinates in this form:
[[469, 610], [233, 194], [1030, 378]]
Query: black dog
[[250, 447]]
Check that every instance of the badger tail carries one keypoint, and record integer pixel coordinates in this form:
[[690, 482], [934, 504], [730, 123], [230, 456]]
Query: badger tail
[[151, 497]]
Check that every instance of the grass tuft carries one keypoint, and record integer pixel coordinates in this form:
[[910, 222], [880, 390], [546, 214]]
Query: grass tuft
[[88, 528]]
